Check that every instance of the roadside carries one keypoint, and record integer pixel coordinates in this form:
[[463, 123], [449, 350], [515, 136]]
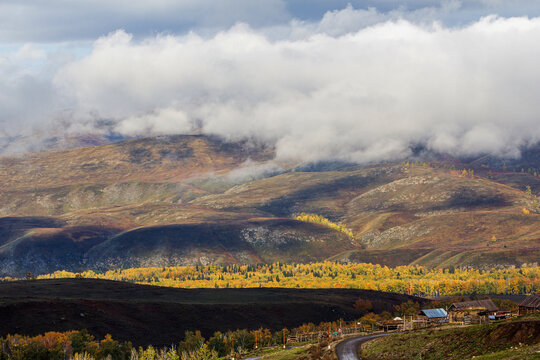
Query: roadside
[[309, 351]]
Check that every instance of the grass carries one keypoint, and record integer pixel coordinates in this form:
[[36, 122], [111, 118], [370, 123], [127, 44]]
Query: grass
[[458, 343], [515, 353], [289, 354], [298, 351], [283, 354]]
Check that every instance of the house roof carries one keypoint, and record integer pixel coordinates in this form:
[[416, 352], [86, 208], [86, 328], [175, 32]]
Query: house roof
[[434, 313], [531, 301], [487, 304]]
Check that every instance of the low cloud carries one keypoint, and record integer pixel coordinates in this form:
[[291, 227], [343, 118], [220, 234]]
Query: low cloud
[[161, 122], [251, 170], [358, 85], [364, 96]]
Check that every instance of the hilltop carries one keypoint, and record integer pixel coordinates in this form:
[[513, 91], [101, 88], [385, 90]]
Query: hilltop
[[187, 200]]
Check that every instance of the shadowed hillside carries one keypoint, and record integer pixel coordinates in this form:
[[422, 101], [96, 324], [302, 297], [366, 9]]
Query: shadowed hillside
[[160, 316]]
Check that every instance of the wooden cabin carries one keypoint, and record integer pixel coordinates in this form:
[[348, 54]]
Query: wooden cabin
[[388, 325], [474, 311], [530, 305], [433, 316]]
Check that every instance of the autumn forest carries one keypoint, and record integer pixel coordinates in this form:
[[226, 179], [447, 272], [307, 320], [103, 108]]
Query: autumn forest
[[412, 280]]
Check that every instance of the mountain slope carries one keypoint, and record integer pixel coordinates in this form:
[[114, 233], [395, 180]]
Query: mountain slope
[[194, 199], [164, 159]]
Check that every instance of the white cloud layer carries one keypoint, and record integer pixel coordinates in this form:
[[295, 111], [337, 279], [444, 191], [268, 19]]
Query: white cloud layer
[[359, 85], [363, 96]]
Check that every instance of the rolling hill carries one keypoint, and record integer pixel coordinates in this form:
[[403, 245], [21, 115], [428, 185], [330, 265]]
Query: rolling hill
[[160, 316], [181, 200]]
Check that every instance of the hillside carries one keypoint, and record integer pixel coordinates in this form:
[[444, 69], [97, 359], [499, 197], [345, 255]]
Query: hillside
[[516, 339], [160, 316], [181, 200]]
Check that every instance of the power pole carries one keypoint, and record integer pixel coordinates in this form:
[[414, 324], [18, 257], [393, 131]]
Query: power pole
[[284, 346], [232, 349]]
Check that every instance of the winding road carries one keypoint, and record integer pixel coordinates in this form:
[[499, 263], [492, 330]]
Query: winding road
[[348, 349]]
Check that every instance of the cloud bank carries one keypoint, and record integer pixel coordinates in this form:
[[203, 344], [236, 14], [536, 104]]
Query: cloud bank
[[359, 85], [363, 96]]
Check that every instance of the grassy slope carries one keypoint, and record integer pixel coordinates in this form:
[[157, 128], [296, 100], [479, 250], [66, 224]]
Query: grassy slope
[[165, 159], [444, 220], [515, 353], [456, 343], [300, 352]]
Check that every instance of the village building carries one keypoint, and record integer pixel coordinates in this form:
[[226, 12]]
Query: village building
[[530, 305], [499, 315], [474, 311], [388, 325], [433, 316]]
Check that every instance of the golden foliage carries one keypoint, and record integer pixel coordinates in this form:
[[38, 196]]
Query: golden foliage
[[321, 220], [415, 280]]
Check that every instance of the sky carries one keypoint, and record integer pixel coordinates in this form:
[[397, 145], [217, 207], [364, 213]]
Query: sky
[[358, 81]]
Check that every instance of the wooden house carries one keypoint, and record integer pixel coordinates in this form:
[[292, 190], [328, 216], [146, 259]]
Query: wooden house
[[529, 305], [474, 311], [388, 325], [433, 316]]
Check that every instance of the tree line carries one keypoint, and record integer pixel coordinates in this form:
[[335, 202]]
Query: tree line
[[81, 345], [321, 220], [412, 280]]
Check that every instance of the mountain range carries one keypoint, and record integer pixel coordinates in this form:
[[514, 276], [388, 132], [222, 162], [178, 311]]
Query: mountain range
[[187, 200]]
